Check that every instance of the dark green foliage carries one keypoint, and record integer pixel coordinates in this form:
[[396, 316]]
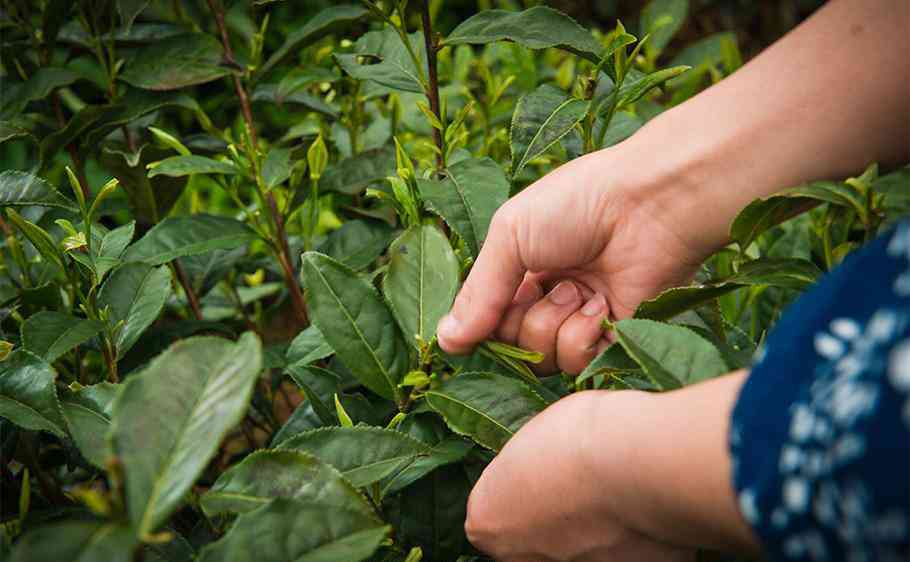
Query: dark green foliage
[[227, 239]]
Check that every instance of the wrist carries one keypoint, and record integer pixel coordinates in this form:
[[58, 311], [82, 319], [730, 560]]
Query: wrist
[[667, 465]]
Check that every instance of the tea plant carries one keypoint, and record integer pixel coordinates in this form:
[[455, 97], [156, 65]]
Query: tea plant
[[227, 242]]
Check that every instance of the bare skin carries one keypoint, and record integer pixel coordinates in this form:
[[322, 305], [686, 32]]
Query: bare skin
[[604, 232]]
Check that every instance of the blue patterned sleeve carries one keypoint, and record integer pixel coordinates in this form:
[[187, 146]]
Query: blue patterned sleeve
[[821, 429]]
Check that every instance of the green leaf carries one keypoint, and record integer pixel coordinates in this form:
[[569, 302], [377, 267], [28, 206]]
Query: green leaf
[[536, 28], [201, 388], [391, 65], [674, 301], [320, 387], [50, 334], [448, 451], [540, 119], [472, 191], [671, 356], [266, 475], [431, 513], [39, 238], [299, 78], [180, 61], [175, 237], [277, 167], [356, 323], [762, 214], [94, 122], [611, 361], [421, 282], [28, 397], [789, 273], [708, 50], [179, 166], [111, 248], [634, 90], [39, 86], [88, 413], [77, 541], [662, 19], [352, 175], [357, 243], [316, 27], [288, 530], [269, 93], [135, 293], [486, 407], [148, 200], [364, 455], [307, 347]]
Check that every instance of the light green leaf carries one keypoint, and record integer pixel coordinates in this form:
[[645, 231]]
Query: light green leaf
[[28, 397], [135, 293], [111, 247], [40, 239], [671, 356], [356, 323], [180, 61], [88, 413], [662, 19], [50, 334], [364, 455], [200, 388], [486, 407], [318, 26], [421, 282], [357, 243], [77, 541], [179, 166], [175, 237], [539, 27], [288, 530], [472, 191], [266, 475], [129, 9], [540, 119], [634, 90]]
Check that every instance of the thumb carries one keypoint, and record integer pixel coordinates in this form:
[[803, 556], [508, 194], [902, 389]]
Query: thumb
[[487, 292]]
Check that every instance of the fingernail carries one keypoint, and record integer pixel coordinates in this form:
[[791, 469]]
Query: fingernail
[[564, 293], [595, 306], [448, 326], [527, 293]]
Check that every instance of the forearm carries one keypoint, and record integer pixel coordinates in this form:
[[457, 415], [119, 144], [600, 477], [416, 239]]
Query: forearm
[[823, 102], [676, 468]]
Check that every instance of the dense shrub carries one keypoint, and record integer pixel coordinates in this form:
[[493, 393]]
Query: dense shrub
[[229, 232]]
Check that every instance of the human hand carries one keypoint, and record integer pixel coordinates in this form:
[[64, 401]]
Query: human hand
[[620, 476], [542, 499], [587, 235]]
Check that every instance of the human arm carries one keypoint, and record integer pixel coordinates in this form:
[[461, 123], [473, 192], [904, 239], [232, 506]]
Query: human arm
[[630, 220]]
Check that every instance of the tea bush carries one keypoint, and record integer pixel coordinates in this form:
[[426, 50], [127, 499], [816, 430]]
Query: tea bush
[[227, 241]]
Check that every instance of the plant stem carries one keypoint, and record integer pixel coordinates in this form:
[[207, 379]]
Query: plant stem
[[433, 86], [48, 486], [281, 243], [110, 359], [184, 281]]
